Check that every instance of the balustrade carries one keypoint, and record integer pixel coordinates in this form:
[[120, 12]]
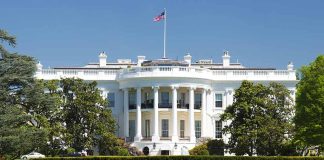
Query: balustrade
[[172, 70]]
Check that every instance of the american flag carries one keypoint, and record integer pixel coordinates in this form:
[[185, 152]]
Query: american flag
[[159, 17]]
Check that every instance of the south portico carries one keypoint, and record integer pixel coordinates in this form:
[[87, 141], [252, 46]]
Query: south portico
[[170, 112]]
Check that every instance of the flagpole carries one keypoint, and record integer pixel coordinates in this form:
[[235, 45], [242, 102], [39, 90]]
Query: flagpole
[[165, 21]]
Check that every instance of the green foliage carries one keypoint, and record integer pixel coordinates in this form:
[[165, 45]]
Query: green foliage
[[288, 149], [82, 118], [209, 147], [69, 113], [260, 118], [216, 147], [20, 131], [70, 150], [6, 37], [200, 157], [120, 151], [309, 116], [199, 150]]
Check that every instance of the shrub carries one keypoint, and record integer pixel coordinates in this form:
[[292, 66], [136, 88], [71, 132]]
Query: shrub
[[199, 150], [70, 150], [186, 158], [288, 149], [122, 152]]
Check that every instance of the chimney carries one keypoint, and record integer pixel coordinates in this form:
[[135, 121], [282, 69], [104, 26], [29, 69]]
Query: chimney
[[140, 60], [102, 59], [39, 66], [290, 66], [187, 58], [226, 59]]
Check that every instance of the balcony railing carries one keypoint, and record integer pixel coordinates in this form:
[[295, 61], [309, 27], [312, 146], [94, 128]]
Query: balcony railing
[[165, 71], [197, 106], [165, 105], [132, 106], [180, 71], [147, 105], [84, 73], [183, 106]]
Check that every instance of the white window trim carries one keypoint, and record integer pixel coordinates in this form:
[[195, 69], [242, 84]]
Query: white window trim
[[223, 100]]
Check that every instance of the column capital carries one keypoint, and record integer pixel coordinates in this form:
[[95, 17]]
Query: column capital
[[125, 89], [174, 87], [204, 89], [229, 91], [192, 88], [210, 90], [155, 87], [137, 88]]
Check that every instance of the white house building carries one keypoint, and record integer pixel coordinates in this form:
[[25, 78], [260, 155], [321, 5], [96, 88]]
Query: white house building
[[164, 105]]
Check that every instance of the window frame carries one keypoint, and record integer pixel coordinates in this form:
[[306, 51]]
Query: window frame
[[198, 128], [111, 100], [182, 129], [218, 129], [165, 99], [222, 100], [165, 131]]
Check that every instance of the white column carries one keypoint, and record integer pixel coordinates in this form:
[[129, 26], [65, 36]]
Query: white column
[[126, 113], [138, 135], [155, 136], [191, 115], [203, 113], [174, 114]]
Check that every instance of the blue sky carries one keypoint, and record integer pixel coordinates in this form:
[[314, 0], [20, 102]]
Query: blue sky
[[259, 33]]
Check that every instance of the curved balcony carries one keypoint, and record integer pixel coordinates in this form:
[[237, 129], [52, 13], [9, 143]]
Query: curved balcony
[[163, 71]]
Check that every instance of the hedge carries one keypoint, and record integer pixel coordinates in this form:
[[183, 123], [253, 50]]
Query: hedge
[[183, 158]]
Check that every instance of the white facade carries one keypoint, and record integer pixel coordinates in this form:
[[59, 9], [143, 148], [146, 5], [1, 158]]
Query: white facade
[[168, 105]]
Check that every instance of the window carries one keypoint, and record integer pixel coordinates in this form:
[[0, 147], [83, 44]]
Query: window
[[218, 129], [131, 128], [111, 99], [197, 100], [198, 129], [218, 100], [132, 98], [165, 128], [165, 97], [182, 99], [182, 128], [146, 97], [147, 128]]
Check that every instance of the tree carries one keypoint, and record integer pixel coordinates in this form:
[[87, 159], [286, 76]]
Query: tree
[[309, 116], [216, 147], [84, 117], [259, 119], [5, 37], [275, 121], [18, 131]]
